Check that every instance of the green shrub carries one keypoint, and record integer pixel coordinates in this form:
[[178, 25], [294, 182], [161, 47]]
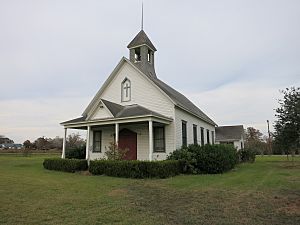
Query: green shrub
[[76, 153], [66, 165], [186, 158], [247, 155], [205, 159], [216, 158], [135, 169]]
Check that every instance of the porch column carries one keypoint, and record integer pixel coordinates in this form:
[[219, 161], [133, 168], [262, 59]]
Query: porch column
[[150, 139], [117, 133], [63, 155], [87, 143]]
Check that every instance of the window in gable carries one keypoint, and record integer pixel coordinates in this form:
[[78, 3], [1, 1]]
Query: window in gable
[[126, 90]]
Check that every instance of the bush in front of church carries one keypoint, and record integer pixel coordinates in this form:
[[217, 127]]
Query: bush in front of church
[[135, 168], [66, 165], [76, 152], [211, 159]]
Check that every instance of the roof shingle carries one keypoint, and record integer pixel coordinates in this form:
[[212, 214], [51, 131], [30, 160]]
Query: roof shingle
[[141, 39], [227, 133]]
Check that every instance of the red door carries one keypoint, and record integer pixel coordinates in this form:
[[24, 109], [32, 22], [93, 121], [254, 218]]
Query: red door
[[127, 140]]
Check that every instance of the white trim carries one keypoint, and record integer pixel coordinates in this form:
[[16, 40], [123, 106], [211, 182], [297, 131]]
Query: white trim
[[63, 155], [150, 139], [87, 143], [117, 133], [123, 120]]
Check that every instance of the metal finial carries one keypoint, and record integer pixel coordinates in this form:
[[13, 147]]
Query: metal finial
[[142, 24]]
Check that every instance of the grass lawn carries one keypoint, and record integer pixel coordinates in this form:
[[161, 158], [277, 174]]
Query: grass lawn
[[266, 192]]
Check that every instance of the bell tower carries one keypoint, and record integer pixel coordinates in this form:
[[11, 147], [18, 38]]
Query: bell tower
[[141, 53]]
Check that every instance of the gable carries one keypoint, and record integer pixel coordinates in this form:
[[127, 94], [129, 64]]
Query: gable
[[143, 91], [100, 112]]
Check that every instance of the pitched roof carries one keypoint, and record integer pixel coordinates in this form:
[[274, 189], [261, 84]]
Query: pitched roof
[[181, 101], [141, 39], [79, 119], [120, 111], [129, 110], [227, 133], [114, 108]]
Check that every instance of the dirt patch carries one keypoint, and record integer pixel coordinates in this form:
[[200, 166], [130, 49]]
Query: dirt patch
[[291, 208], [85, 173], [117, 192]]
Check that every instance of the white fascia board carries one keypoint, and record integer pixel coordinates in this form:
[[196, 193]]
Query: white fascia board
[[120, 120]]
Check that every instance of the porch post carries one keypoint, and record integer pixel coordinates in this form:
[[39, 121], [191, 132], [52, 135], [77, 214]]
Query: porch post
[[117, 133], [150, 139], [63, 155], [87, 143]]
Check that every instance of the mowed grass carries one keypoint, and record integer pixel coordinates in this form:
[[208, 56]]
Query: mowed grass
[[266, 192]]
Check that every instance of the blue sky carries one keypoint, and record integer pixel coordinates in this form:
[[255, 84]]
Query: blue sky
[[229, 57]]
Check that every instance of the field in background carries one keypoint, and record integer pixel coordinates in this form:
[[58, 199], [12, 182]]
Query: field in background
[[266, 192]]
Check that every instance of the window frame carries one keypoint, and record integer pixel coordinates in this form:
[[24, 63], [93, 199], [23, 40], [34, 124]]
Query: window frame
[[155, 148], [184, 136], [195, 134], [207, 137], [202, 136], [94, 141], [122, 90]]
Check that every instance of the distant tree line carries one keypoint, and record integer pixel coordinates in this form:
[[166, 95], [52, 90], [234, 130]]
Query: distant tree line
[[43, 143], [5, 140]]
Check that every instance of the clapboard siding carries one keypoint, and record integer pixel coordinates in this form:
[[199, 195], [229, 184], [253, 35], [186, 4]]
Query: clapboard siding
[[143, 92], [181, 115]]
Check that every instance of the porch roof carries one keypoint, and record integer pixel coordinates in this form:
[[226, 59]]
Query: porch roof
[[121, 114]]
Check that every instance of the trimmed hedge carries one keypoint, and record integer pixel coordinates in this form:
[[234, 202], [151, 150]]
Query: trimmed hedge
[[210, 159], [66, 165], [76, 153], [247, 155], [135, 169]]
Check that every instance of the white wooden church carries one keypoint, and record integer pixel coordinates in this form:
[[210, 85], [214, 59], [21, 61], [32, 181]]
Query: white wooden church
[[138, 111]]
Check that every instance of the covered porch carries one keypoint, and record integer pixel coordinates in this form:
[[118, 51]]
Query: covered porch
[[142, 135]]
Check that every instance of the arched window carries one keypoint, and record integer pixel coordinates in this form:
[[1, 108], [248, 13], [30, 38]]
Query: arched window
[[126, 90]]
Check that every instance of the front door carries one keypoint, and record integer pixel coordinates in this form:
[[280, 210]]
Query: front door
[[128, 140]]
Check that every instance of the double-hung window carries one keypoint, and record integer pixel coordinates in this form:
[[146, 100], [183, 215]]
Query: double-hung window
[[159, 139], [97, 141], [195, 134], [202, 136], [207, 137], [184, 134]]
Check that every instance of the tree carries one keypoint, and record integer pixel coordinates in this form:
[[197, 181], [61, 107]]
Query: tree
[[42, 143], [57, 142], [74, 141], [254, 140], [27, 144], [287, 126]]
